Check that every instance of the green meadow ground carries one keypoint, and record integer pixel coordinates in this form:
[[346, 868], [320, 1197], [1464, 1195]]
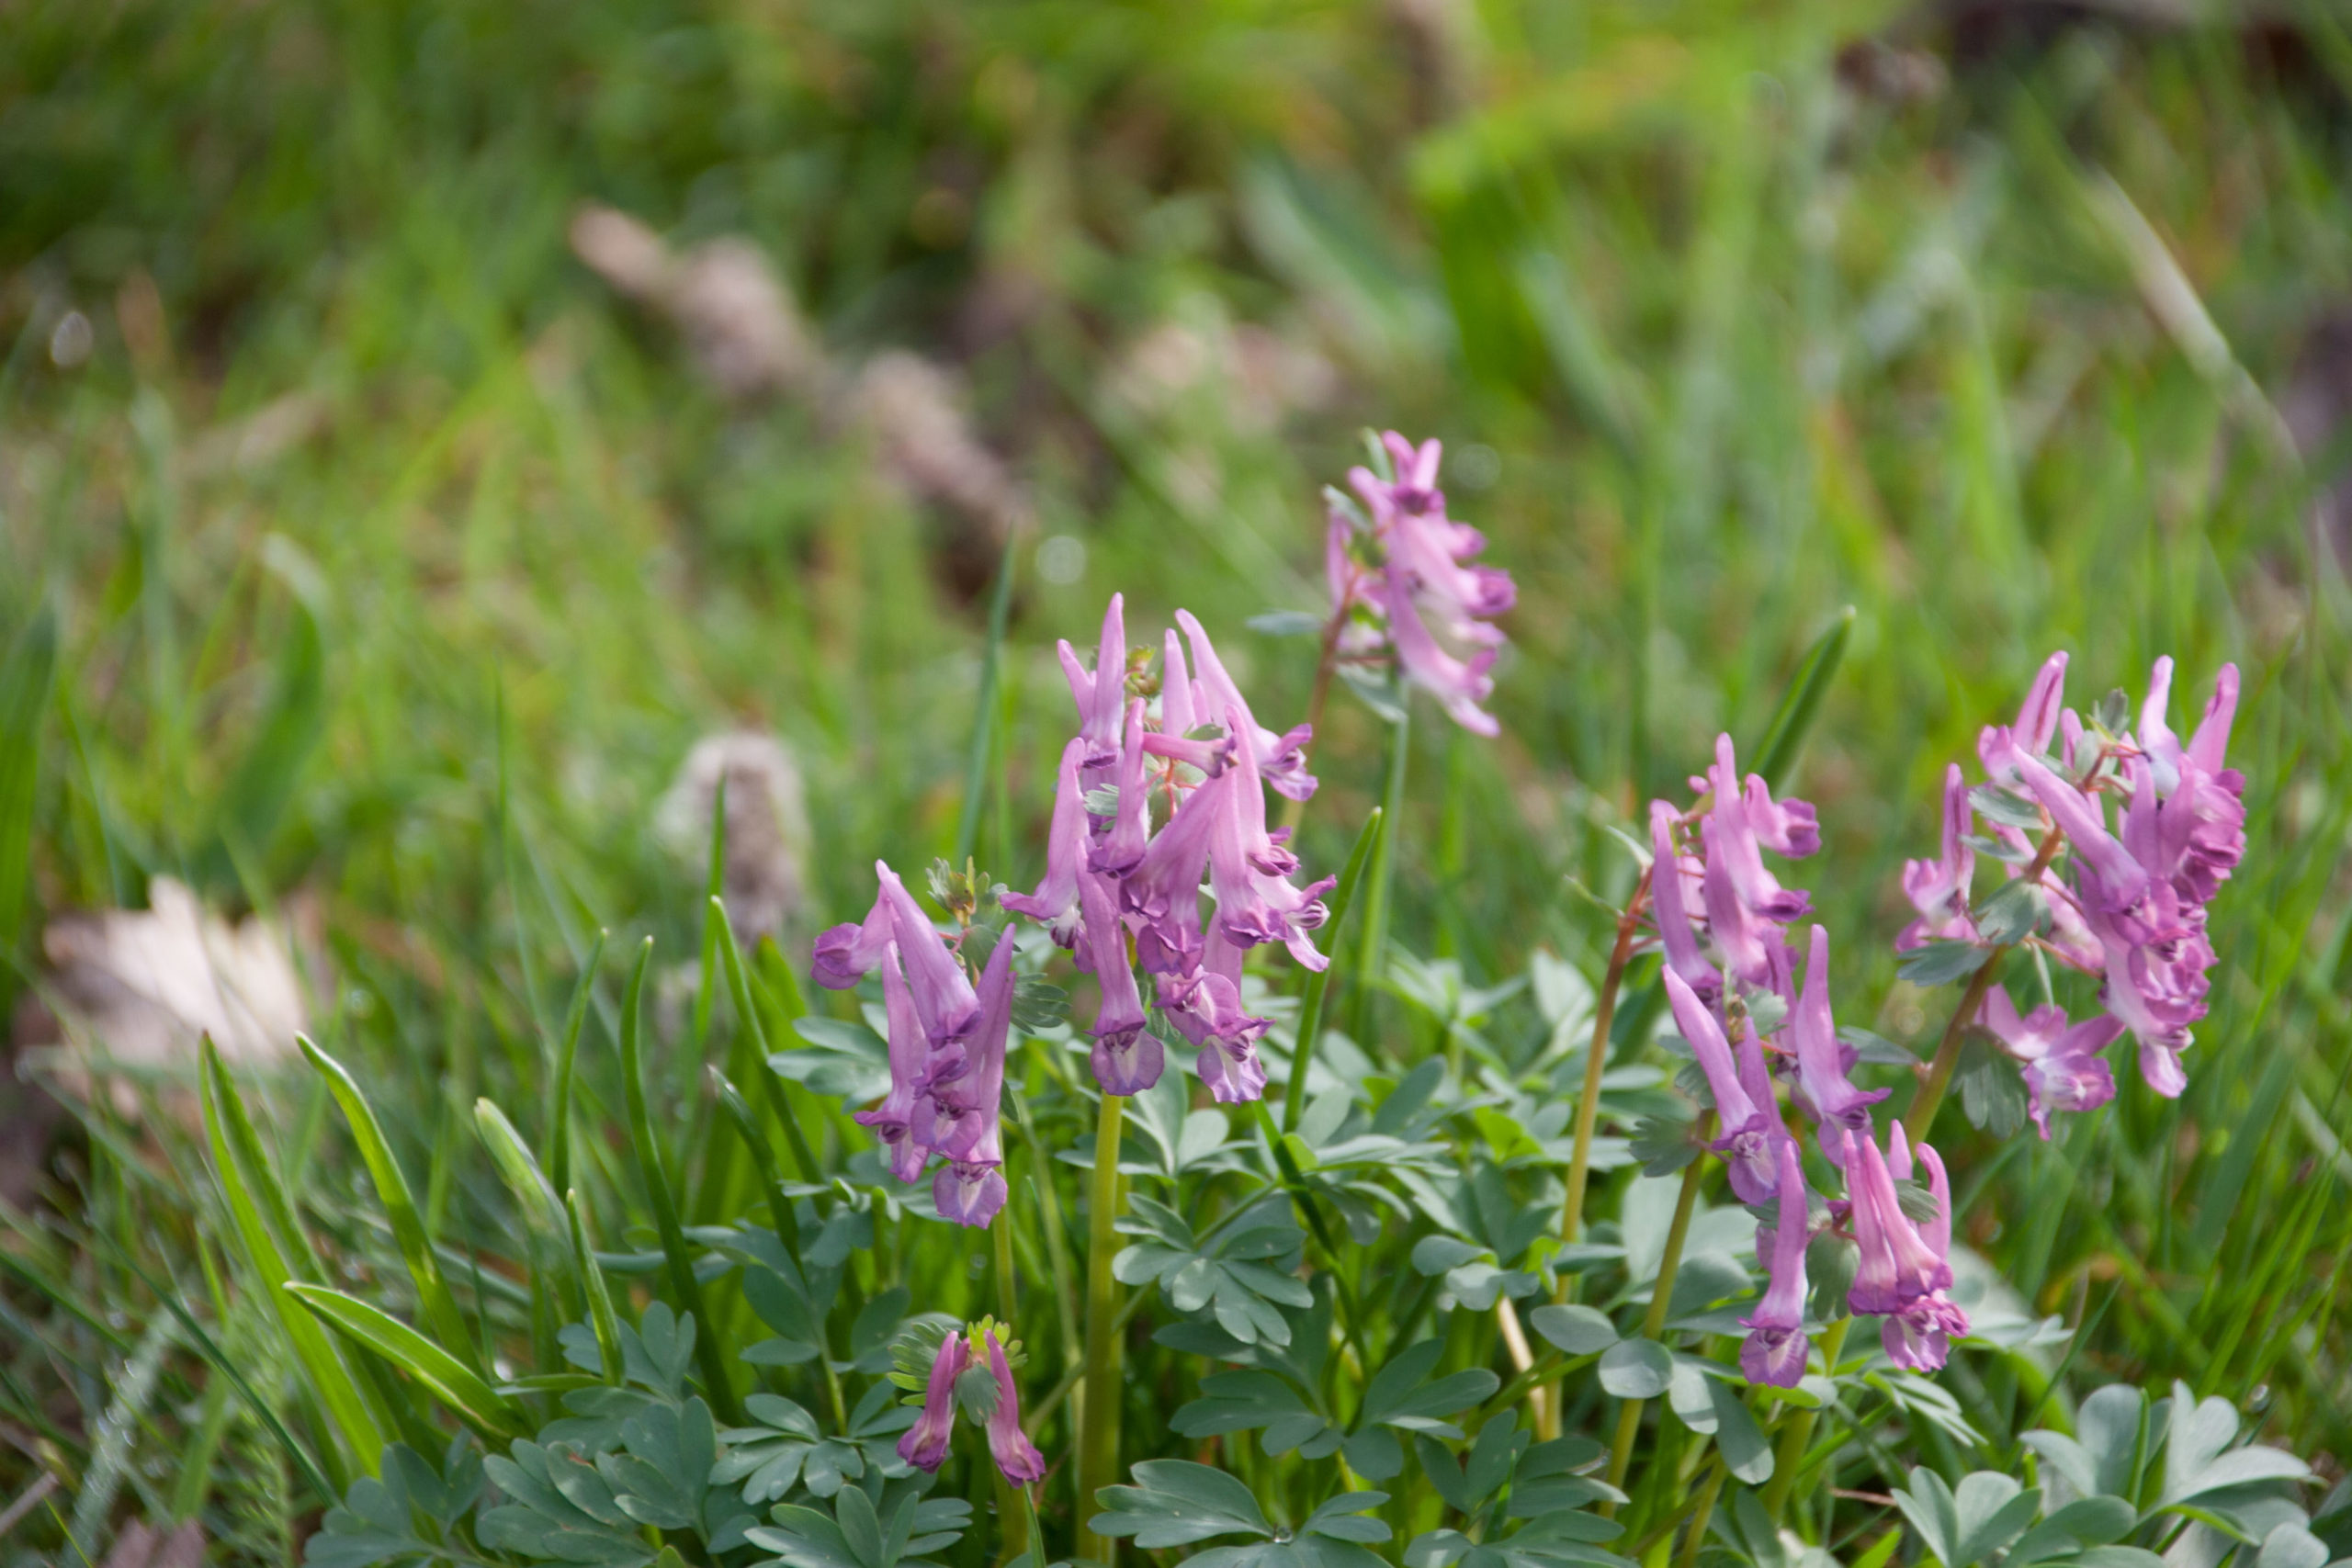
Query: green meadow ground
[[1999, 347]]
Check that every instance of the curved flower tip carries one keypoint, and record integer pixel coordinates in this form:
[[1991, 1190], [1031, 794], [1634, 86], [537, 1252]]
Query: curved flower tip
[[1054, 904], [968, 1194], [1101, 694], [1775, 1351], [924, 1444], [1938, 889], [1750, 1133], [1014, 1454], [1821, 1063]]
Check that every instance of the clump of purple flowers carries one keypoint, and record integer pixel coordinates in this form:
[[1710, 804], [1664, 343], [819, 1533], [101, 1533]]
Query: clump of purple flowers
[[947, 1043], [2121, 897], [1163, 788], [995, 1402], [1154, 798], [1730, 976], [1403, 582]]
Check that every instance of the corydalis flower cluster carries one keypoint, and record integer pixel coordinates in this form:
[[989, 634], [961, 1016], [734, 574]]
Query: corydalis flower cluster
[[2127, 904], [1401, 578], [947, 1043], [1154, 796], [1730, 976], [924, 1444]]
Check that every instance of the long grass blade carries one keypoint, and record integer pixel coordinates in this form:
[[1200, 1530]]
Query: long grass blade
[[1310, 1013], [255, 1203], [432, 1292], [1783, 741], [601, 1317], [659, 1192], [26, 682], [448, 1380], [559, 1136]]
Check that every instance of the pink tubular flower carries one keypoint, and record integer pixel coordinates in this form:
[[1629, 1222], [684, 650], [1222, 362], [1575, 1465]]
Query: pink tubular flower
[[1918, 1337], [1281, 759], [924, 1444], [2063, 1067], [1748, 1130], [942, 996], [963, 1120], [2037, 720], [1117, 852], [1015, 1455], [1938, 889], [1436, 606], [1126, 1060], [1206, 1010], [1897, 1267], [1821, 1084], [1101, 695], [892, 1121], [1670, 893], [1054, 902], [1249, 872], [1774, 1352]]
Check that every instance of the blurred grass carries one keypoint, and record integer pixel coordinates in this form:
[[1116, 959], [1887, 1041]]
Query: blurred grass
[[397, 563]]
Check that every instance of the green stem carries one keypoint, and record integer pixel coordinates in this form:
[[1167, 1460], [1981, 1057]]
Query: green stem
[[1098, 1451], [1799, 1435], [1310, 1013], [1596, 1061], [1669, 1263], [1930, 1097], [1373, 960], [1701, 1512]]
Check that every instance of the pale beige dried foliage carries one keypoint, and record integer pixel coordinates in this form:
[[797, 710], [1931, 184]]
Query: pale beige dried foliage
[[763, 876], [137, 988], [750, 343]]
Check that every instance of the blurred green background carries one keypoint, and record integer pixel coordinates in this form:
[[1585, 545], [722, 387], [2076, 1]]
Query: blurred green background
[[398, 556]]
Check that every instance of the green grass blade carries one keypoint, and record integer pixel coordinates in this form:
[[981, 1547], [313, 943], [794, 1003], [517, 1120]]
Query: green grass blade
[[659, 1193], [1775, 754], [258, 792], [558, 1137], [747, 1126], [739, 982], [707, 983], [253, 1196], [1310, 1013], [432, 1292], [601, 1317], [545, 1234], [448, 1380], [26, 683]]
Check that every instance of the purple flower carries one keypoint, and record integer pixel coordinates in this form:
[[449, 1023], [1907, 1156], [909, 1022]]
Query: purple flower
[[1281, 759], [1117, 852], [2063, 1067], [1671, 890], [1054, 904], [924, 1444], [2197, 836], [1460, 684], [942, 996], [1163, 892], [1938, 889], [2037, 720], [1748, 1132], [1125, 1059], [963, 1120], [1015, 1455], [1250, 871], [1919, 1336], [1896, 1266], [1206, 1010], [1822, 1085], [1738, 846], [1102, 696], [1436, 603], [892, 1121], [2111, 878], [1774, 1352]]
